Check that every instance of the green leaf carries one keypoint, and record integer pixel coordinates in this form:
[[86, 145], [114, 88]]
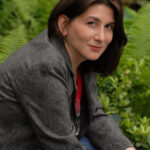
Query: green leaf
[[138, 45], [13, 41], [129, 17]]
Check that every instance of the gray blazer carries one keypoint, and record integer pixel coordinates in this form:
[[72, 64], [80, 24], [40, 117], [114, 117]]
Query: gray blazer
[[37, 91]]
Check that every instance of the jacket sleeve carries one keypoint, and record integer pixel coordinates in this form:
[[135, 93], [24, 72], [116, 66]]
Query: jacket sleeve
[[103, 132], [42, 92]]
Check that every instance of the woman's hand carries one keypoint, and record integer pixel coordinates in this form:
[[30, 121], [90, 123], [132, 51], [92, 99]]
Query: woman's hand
[[130, 148]]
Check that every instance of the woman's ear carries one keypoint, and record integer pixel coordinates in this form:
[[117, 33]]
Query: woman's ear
[[63, 21]]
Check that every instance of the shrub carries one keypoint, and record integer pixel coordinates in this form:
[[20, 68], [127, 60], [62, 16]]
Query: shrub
[[126, 97]]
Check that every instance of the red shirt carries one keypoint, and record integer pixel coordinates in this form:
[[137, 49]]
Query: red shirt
[[78, 94]]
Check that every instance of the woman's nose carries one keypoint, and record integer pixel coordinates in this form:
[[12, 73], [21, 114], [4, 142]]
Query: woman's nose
[[100, 35]]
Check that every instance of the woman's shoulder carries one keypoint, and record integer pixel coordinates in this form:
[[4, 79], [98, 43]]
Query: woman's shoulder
[[36, 55], [38, 50]]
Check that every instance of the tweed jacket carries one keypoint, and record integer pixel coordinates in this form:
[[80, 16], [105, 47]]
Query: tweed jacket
[[37, 91]]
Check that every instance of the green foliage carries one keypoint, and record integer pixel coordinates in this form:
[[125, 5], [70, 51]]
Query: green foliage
[[42, 12], [129, 17], [14, 40], [138, 31], [125, 96], [138, 129], [120, 90], [21, 20]]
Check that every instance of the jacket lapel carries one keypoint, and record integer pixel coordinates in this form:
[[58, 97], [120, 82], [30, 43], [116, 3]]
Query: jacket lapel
[[90, 86]]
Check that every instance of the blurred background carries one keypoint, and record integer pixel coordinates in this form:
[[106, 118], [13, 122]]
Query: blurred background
[[126, 94]]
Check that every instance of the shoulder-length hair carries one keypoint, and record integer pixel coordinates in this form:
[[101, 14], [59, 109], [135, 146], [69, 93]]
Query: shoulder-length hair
[[108, 61]]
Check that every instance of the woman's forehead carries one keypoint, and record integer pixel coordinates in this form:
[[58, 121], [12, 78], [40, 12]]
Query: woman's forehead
[[99, 10]]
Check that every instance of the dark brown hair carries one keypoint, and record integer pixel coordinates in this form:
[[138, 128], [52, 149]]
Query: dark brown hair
[[109, 60]]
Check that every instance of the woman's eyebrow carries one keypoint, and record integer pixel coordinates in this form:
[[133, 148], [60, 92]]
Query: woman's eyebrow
[[94, 18], [97, 20]]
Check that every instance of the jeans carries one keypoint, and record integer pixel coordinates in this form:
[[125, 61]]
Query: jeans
[[87, 144]]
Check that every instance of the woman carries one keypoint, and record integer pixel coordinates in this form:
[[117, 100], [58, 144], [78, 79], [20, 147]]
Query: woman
[[48, 95]]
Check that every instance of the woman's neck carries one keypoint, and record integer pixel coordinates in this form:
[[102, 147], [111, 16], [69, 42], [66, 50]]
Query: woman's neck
[[75, 60]]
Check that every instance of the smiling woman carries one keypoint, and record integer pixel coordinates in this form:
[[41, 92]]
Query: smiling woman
[[89, 34], [114, 49], [48, 89]]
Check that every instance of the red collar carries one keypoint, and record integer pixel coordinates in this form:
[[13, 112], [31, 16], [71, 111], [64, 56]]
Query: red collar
[[79, 93]]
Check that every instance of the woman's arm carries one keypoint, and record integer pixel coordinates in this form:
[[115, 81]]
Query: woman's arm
[[42, 93], [103, 132]]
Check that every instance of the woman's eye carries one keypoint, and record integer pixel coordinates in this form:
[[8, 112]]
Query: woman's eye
[[110, 27], [91, 23]]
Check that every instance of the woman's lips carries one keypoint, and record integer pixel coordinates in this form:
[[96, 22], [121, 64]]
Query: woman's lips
[[95, 48]]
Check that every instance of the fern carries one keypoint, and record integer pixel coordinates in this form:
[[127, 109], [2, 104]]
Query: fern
[[16, 12], [8, 19], [129, 17], [42, 12], [21, 20], [138, 45], [15, 39], [23, 10]]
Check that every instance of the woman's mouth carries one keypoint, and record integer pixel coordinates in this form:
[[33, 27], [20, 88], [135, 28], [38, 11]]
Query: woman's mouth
[[95, 48]]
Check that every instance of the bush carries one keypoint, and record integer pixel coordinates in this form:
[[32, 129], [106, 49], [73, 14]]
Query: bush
[[125, 96]]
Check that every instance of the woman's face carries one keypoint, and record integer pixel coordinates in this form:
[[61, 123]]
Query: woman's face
[[89, 34]]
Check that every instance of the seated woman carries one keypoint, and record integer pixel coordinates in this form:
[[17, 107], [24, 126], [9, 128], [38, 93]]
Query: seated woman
[[48, 89]]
